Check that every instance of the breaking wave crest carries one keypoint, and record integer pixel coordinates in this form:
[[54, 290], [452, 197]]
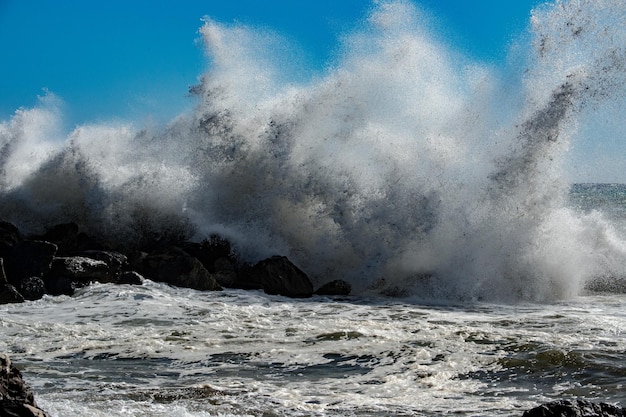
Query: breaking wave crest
[[406, 168]]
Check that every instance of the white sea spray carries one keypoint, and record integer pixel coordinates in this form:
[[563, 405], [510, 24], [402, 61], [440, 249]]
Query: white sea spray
[[405, 168]]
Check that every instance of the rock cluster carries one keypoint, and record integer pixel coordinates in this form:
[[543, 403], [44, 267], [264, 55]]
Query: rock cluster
[[64, 259], [16, 398], [575, 408]]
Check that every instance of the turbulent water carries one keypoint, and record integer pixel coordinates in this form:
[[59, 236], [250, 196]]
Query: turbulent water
[[405, 168], [154, 350]]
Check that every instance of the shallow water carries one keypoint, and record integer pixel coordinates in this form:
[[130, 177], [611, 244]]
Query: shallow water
[[157, 350]]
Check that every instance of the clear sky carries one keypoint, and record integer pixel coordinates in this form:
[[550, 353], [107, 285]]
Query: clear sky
[[132, 58]]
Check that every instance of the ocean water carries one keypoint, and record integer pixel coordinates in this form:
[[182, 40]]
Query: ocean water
[[436, 185], [154, 350]]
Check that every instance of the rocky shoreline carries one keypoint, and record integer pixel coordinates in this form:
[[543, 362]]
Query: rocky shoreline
[[64, 259], [16, 397]]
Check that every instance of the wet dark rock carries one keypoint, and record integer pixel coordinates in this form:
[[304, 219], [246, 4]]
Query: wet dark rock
[[130, 277], [276, 275], [176, 267], [336, 287], [69, 239], [135, 260], [225, 272], [9, 294], [32, 288], [62, 285], [214, 253], [65, 236], [115, 260], [16, 397], [29, 258], [72, 272], [9, 236], [80, 269], [575, 408]]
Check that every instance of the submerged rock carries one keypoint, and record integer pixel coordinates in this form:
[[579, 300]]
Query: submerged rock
[[575, 408], [16, 397], [277, 275]]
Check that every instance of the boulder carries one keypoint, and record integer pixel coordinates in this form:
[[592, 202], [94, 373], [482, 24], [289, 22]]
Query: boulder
[[80, 269], [9, 294], [575, 408], [217, 256], [276, 275], [115, 260], [174, 266], [32, 288], [29, 258], [336, 287], [16, 397], [72, 272]]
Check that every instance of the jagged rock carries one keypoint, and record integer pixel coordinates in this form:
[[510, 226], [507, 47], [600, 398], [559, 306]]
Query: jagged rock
[[32, 288], [336, 287], [277, 275], [174, 266], [9, 294], [29, 258], [130, 277], [575, 408], [16, 397]]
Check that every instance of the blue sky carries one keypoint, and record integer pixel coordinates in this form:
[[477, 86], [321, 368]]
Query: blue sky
[[133, 58]]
